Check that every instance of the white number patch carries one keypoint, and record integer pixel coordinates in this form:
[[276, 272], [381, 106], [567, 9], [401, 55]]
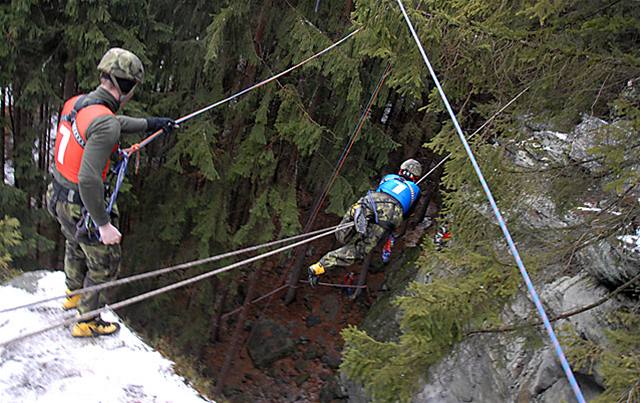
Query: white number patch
[[399, 188], [66, 135]]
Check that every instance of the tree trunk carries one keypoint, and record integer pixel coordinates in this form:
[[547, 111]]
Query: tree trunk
[[237, 332], [218, 307], [348, 6], [69, 88], [300, 253], [362, 278]]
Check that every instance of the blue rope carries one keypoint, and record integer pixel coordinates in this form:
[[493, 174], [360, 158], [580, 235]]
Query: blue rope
[[121, 169], [514, 251]]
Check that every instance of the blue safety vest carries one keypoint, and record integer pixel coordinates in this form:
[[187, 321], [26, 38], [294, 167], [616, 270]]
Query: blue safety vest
[[401, 189]]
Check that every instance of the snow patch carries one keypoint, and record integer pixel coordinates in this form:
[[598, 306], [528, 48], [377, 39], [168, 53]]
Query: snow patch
[[54, 367], [597, 210], [631, 242]]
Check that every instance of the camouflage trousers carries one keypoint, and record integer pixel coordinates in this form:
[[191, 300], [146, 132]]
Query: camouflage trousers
[[357, 246], [85, 264]]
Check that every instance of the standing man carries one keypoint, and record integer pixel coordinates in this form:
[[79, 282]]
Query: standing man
[[87, 137], [375, 215]]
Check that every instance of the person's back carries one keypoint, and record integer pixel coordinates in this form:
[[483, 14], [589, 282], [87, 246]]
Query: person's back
[[375, 216], [87, 136]]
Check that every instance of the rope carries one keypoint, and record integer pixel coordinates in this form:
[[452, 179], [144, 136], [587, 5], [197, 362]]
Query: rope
[[564, 315], [267, 295], [136, 147], [485, 124], [512, 247], [130, 279], [334, 285], [282, 287], [162, 290], [345, 152]]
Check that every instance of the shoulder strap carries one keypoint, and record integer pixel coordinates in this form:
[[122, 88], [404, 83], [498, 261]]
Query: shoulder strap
[[80, 104]]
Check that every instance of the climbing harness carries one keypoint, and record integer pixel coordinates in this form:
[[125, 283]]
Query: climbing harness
[[162, 290], [86, 226], [503, 226]]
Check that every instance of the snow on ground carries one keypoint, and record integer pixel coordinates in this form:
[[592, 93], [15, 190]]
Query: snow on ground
[[54, 367], [631, 242]]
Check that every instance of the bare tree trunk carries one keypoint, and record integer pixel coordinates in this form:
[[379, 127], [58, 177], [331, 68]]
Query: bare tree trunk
[[235, 338], [299, 253], [362, 278], [69, 88], [218, 307], [348, 6]]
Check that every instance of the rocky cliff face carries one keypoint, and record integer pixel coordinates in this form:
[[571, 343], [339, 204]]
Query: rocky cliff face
[[521, 366]]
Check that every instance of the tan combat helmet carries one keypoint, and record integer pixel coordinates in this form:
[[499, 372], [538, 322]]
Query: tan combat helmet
[[412, 168], [122, 64]]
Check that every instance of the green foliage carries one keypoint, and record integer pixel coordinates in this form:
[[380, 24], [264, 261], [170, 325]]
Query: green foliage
[[434, 318], [10, 238], [245, 172], [618, 362], [618, 148]]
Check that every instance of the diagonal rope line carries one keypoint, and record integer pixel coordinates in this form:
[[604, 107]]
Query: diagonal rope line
[[155, 273], [485, 124], [503, 226], [345, 152], [162, 290], [149, 139]]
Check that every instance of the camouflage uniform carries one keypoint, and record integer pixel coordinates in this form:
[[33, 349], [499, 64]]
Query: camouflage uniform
[[357, 246], [86, 263]]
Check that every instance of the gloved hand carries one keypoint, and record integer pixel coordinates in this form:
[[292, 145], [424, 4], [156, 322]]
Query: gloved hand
[[313, 278], [155, 123]]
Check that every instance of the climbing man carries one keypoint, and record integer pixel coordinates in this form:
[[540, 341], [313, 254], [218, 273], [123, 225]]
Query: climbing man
[[87, 137], [375, 216]]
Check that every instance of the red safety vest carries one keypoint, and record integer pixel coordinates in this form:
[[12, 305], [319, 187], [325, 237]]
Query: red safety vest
[[71, 136]]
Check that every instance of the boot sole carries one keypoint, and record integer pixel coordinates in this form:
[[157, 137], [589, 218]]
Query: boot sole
[[96, 334]]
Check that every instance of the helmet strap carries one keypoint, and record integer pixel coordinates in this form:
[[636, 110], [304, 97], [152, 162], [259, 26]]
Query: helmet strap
[[123, 97]]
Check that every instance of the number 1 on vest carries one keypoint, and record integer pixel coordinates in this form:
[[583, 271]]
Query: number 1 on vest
[[66, 134]]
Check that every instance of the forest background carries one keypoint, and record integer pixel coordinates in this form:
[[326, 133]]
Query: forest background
[[248, 172]]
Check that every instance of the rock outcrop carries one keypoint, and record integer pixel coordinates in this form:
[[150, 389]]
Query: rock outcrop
[[521, 366]]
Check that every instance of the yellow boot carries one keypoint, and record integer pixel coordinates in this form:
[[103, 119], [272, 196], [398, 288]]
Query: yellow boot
[[314, 271], [71, 302], [94, 328]]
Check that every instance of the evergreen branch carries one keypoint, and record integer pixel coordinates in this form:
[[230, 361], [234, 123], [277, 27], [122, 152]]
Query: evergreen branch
[[297, 101], [564, 315]]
